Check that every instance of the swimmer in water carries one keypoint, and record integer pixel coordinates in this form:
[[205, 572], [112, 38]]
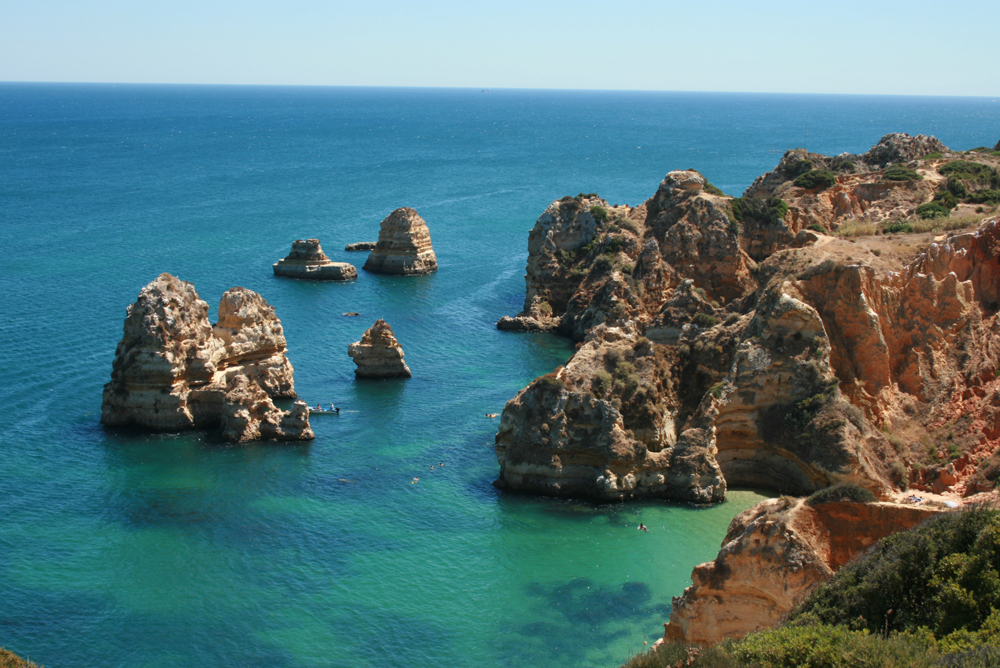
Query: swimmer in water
[[642, 527]]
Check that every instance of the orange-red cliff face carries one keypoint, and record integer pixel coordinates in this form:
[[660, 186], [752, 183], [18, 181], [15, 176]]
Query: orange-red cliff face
[[773, 556]]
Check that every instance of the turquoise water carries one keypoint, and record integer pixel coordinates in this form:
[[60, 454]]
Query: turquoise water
[[119, 548]]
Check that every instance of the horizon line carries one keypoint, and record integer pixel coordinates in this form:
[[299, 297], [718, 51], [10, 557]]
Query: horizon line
[[486, 88]]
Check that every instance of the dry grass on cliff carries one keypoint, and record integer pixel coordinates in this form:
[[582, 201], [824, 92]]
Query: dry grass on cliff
[[11, 660], [865, 228]]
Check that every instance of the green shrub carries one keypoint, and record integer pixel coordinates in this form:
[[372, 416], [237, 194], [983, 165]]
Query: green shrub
[[816, 179], [936, 155], [931, 210], [942, 575], [545, 308], [946, 199], [901, 173], [550, 382], [842, 492], [599, 213], [603, 263], [897, 227], [816, 227], [769, 211], [716, 390], [734, 228], [797, 167], [601, 383], [705, 320], [713, 190]]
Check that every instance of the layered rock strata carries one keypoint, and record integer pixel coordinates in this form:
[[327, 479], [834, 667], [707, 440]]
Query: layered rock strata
[[378, 354], [788, 353], [772, 557], [173, 370], [307, 260], [361, 246], [404, 246]]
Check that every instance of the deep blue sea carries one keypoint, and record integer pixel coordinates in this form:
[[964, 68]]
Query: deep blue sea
[[123, 549]]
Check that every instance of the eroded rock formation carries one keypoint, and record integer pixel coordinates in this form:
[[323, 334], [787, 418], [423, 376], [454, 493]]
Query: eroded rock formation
[[378, 354], [404, 246], [307, 260], [173, 370], [790, 354], [772, 557]]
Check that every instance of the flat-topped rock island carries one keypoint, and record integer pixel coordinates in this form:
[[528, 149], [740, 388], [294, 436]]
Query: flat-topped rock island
[[307, 260]]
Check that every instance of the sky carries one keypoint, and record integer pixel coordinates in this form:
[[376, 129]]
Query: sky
[[851, 46]]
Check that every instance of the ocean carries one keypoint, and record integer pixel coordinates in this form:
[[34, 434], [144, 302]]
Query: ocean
[[131, 549]]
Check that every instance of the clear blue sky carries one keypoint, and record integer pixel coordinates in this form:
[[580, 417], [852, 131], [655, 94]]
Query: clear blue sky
[[852, 46]]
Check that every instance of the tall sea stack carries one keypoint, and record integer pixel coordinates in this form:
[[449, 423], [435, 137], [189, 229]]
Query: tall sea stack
[[404, 246]]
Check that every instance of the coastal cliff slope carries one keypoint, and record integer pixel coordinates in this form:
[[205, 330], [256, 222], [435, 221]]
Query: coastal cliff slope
[[789, 356], [773, 556], [173, 370]]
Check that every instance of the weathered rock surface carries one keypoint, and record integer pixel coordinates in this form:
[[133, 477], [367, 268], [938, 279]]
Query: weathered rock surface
[[173, 370], [404, 246], [378, 354], [605, 435], [307, 260], [795, 356], [361, 246], [773, 556]]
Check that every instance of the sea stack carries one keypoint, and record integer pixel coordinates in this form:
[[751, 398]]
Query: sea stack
[[404, 246], [173, 370], [378, 354], [307, 260]]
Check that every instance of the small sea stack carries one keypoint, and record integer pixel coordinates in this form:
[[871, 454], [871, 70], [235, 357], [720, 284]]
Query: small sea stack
[[361, 246], [307, 260], [378, 354], [404, 246]]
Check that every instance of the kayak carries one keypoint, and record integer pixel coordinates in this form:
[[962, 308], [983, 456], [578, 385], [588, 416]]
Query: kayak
[[321, 411]]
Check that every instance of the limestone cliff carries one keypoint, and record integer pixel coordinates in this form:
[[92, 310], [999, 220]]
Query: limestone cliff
[[604, 433], [792, 355], [173, 370], [378, 354], [307, 260], [772, 557], [404, 246]]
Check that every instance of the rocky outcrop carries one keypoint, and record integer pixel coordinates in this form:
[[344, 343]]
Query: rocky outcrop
[[797, 355], [772, 557], [404, 246], [173, 370], [307, 260], [378, 354], [900, 147], [608, 429], [361, 246]]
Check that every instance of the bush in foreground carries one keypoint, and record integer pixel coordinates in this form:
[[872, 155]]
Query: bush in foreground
[[925, 597]]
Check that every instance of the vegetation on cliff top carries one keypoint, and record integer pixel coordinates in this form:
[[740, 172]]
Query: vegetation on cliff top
[[11, 660], [929, 596]]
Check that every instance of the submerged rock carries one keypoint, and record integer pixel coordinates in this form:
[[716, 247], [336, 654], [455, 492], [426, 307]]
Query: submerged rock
[[361, 246], [307, 260], [378, 354], [173, 370], [404, 246]]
